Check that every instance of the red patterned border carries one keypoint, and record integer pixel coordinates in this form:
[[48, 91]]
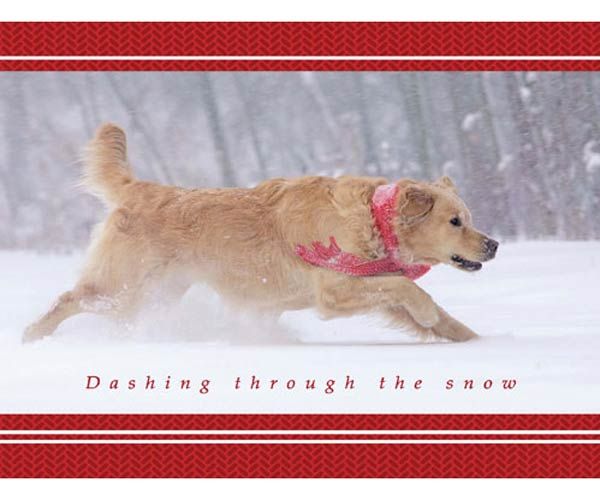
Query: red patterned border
[[300, 460], [300, 39], [306, 422], [281, 445]]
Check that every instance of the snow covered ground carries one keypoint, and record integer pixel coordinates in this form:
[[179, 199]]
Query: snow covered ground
[[536, 308]]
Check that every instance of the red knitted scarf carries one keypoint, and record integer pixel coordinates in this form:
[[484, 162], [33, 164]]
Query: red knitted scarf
[[383, 206]]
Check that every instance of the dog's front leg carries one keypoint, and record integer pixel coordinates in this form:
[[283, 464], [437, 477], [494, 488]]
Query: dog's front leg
[[399, 298], [341, 295], [452, 329]]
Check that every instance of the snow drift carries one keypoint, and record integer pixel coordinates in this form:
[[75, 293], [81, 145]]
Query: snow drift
[[535, 307]]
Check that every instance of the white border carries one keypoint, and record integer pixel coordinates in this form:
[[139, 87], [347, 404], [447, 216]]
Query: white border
[[299, 58], [299, 441], [269, 432], [305, 10], [302, 489]]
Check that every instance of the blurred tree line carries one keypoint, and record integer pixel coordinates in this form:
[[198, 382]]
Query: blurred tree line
[[523, 147]]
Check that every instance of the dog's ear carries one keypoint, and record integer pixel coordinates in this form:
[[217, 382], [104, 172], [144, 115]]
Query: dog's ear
[[415, 203], [446, 182]]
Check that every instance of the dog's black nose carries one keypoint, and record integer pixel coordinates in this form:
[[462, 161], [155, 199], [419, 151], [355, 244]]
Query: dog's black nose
[[490, 246]]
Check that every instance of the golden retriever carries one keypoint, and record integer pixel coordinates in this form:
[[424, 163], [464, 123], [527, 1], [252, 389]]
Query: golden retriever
[[244, 243]]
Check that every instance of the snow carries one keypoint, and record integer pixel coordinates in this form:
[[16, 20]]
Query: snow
[[505, 162], [525, 93], [531, 77], [470, 121], [591, 157], [535, 307]]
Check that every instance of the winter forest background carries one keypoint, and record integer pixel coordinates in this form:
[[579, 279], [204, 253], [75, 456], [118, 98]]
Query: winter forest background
[[524, 147]]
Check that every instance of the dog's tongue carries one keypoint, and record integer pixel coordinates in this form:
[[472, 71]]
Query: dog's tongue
[[473, 266]]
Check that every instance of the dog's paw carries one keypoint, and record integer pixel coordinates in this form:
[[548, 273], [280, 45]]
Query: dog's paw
[[32, 333], [452, 329]]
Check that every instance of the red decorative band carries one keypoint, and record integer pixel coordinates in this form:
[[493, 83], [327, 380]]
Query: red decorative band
[[300, 460], [301, 39], [302, 422], [323, 445]]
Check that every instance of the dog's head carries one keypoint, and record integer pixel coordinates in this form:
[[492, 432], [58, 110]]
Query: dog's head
[[434, 226]]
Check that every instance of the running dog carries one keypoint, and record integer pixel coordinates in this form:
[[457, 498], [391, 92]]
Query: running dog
[[345, 246]]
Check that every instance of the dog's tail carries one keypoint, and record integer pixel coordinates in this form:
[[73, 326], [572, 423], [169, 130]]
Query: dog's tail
[[106, 170]]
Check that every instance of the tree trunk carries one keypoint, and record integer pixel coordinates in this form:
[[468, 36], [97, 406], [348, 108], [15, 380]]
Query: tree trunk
[[418, 133], [360, 99], [217, 131], [250, 112]]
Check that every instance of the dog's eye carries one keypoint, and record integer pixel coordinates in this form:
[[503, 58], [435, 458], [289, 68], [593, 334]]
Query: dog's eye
[[455, 221]]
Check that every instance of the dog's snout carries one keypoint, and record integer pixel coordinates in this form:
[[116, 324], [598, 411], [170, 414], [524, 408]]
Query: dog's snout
[[490, 247]]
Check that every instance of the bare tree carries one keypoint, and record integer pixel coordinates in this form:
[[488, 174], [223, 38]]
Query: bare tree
[[215, 123], [524, 147]]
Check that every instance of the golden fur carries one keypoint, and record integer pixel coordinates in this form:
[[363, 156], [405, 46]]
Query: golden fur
[[241, 242]]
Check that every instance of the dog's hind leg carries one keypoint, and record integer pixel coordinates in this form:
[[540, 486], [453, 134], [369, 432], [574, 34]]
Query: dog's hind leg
[[67, 305], [103, 288], [84, 298]]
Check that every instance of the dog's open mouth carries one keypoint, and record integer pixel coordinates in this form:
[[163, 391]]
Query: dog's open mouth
[[467, 265]]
